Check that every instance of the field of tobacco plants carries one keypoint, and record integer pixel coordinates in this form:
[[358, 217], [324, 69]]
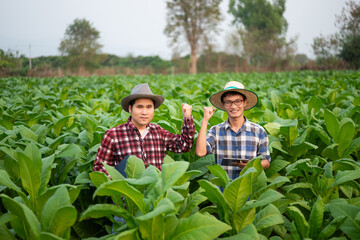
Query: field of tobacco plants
[[51, 128]]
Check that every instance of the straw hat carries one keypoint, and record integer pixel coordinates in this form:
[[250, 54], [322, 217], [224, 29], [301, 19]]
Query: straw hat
[[251, 97], [141, 91]]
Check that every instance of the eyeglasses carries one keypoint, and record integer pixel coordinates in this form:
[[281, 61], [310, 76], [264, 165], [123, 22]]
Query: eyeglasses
[[237, 102]]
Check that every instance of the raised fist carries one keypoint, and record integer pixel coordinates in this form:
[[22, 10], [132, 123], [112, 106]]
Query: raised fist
[[186, 109], [208, 112]]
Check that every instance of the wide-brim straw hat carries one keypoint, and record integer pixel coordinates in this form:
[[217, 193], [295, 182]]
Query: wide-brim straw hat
[[141, 91], [234, 86]]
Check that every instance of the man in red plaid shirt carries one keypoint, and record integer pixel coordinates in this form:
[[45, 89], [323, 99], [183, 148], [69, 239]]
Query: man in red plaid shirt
[[141, 138]]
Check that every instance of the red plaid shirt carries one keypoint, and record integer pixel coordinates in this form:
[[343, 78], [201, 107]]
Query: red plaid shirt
[[123, 140]]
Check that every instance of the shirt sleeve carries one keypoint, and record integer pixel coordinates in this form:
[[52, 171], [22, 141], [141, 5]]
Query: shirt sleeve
[[210, 141], [263, 148], [105, 153], [181, 143]]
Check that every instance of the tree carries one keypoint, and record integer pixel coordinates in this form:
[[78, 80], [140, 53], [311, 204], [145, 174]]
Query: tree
[[326, 50], [11, 63], [262, 27], [349, 35], [80, 43], [332, 50], [194, 20], [260, 15]]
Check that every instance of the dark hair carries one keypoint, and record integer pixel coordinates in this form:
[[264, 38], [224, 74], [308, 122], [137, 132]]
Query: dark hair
[[231, 93], [132, 102]]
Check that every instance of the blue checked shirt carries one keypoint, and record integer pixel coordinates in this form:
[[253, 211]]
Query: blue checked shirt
[[249, 142]]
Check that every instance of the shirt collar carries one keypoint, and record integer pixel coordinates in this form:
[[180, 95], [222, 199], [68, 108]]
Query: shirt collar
[[245, 126]]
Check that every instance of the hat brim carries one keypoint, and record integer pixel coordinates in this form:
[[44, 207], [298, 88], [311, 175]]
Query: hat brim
[[158, 100], [251, 98]]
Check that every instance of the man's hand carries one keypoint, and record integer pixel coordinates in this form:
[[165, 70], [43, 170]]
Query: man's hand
[[186, 109], [240, 164], [264, 163], [208, 112]]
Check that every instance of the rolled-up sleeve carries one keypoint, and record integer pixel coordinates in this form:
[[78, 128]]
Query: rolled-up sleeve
[[210, 141], [263, 148], [180, 143]]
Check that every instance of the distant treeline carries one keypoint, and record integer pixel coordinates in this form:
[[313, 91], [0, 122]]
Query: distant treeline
[[109, 64]]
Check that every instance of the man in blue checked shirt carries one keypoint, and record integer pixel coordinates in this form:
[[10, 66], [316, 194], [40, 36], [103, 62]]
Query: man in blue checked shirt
[[237, 140]]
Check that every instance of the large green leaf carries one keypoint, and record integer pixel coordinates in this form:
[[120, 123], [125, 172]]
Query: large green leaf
[[59, 124], [103, 210], [167, 126], [5, 233], [130, 234], [213, 193], [116, 188], [72, 151], [291, 187], [6, 181], [247, 233], [191, 202], [98, 178], [152, 228], [134, 167], [351, 227], [275, 166], [243, 218], [46, 173], [331, 123], [345, 176], [62, 220], [237, 192], [55, 202], [202, 163], [188, 175], [355, 144], [49, 236], [30, 174], [34, 154], [113, 173], [165, 206], [290, 131], [25, 215], [346, 134], [330, 229], [171, 173], [27, 133], [150, 175], [219, 172], [199, 226], [266, 198], [88, 124], [316, 218], [302, 226], [276, 183], [267, 217]]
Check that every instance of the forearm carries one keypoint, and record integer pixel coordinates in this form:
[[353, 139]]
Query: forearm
[[181, 143], [201, 139]]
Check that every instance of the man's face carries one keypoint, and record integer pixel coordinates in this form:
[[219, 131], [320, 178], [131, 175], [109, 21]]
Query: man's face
[[142, 112], [234, 105]]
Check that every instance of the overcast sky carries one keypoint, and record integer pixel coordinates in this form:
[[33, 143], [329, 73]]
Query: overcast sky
[[136, 26]]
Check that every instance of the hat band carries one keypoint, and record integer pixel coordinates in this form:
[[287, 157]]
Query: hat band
[[231, 88]]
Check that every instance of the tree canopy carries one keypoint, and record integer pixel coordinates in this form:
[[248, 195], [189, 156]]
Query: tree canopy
[[261, 27], [344, 45], [349, 25], [194, 20], [80, 42], [260, 15]]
